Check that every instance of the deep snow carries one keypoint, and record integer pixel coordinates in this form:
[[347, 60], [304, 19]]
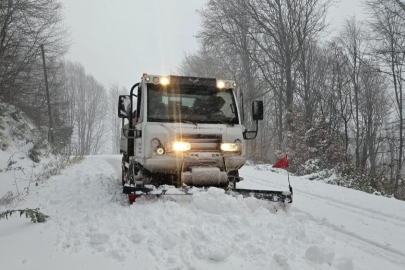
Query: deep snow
[[93, 227]]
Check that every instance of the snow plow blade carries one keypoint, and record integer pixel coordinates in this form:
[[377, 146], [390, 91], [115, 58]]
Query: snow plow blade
[[268, 195]]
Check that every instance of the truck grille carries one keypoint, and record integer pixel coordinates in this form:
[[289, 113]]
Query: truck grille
[[203, 142]]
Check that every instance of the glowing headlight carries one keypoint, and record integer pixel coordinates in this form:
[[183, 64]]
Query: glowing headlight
[[164, 81], [181, 146], [229, 147], [220, 84]]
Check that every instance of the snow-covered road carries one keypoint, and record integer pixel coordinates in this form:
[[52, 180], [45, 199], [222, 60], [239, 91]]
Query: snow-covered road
[[93, 227], [370, 224]]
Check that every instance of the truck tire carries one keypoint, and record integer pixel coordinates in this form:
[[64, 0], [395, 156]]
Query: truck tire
[[234, 173], [124, 171], [233, 178], [123, 176]]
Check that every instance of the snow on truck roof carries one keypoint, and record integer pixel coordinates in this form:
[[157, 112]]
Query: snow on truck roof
[[188, 80]]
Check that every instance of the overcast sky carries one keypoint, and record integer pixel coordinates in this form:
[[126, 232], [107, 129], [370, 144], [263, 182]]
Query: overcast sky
[[116, 41]]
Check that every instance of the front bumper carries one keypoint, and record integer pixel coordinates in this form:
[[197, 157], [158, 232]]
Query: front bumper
[[174, 163]]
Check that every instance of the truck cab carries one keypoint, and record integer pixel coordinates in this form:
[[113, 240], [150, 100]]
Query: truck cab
[[183, 131]]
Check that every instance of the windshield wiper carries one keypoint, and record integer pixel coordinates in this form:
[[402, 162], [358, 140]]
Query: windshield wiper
[[221, 122], [191, 122], [188, 122], [168, 120]]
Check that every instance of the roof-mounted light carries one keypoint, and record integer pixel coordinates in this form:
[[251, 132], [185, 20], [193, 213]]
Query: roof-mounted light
[[225, 84], [220, 84], [164, 81]]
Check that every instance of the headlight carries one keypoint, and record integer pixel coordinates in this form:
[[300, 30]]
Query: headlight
[[181, 146], [229, 147]]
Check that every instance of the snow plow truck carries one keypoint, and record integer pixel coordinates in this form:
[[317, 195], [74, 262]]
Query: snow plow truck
[[185, 132]]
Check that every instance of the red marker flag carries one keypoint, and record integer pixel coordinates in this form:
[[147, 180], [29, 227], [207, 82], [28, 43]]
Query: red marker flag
[[282, 163]]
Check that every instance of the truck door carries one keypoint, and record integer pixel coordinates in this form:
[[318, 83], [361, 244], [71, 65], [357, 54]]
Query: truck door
[[138, 148]]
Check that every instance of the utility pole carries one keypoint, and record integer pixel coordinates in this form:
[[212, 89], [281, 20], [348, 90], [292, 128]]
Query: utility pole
[[50, 132]]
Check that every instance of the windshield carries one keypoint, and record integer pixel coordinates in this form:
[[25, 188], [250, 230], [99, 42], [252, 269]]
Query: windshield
[[191, 104]]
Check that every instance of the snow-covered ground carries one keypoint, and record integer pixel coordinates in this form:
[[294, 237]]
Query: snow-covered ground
[[20, 144], [93, 227]]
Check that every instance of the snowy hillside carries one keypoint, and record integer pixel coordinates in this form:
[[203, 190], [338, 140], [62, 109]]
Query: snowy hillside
[[24, 155], [93, 227]]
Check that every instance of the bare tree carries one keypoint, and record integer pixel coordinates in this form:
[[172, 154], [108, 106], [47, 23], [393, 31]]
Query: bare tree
[[281, 29], [24, 26], [88, 113], [353, 41], [339, 96], [388, 28]]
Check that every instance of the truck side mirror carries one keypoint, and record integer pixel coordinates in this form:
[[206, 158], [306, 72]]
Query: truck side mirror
[[257, 110], [124, 106], [257, 114]]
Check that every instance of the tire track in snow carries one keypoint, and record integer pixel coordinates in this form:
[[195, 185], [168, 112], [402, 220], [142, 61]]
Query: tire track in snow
[[400, 219], [343, 231], [353, 235], [351, 207], [357, 210]]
